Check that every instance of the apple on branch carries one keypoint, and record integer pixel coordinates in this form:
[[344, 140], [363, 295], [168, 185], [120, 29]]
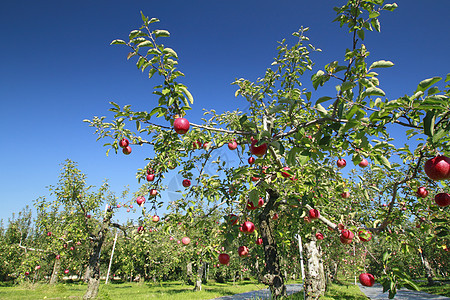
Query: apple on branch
[[224, 258], [341, 163], [232, 145], [438, 168], [186, 183], [123, 143], [243, 251], [181, 125], [185, 240], [366, 279], [313, 214]]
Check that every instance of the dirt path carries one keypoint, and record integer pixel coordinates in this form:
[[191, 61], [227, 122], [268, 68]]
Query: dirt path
[[261, 294], [376, 292]]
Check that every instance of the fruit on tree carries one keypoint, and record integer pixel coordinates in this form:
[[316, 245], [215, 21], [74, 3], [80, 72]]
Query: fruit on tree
[[126, 150], [123, 143], [155, 218], [233, 219], [258, 150], [128, 210], [319, 236], [27, 273], [66, 271], [186, 183], [259, 241], [37, 267], [72, 248], [153, 193], [224, 258], [366, 279], [88, 216], [206, 145], [347, 234], [251, 160], [313, 214], [232, 145], [442, 199], [197, 144], [185, 240], [250, 205], [260, 202], [255, 178], [58, 256], [341, 226], [243, 251], [344, 241], [49, 233], [341, 163], [345, 195], [364, 163], [140, 200], [275, 216], [248, 227], [181, 125], [365, 235], [422, 192], [438, 168], [150, 177], [284, 173]]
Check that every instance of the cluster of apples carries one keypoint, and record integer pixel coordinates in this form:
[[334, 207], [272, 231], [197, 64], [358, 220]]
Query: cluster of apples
[[437, 168], [125, 145]]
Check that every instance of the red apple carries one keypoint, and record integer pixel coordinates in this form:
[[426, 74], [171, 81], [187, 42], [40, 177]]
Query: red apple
[[88, 216], [78, 243], [251, 160], [233, 219], [250, 205], [285, 174], [58, 256], [128, 210], [242, 251], [119, 206], [344, 240], [345, 195], [140, 228], [260, 202], [258, 150], [341, 163], [365, 235], [248, 227], [275, 216], [197, 144], [364, 163], [319, 236], [259, 241], [224, 258], [49, 233], [422, 192], [341, 226], [442, 199], [206, 145], [126, 150], [27, 273], [37, 267], [366, 279], [255, 179], [66, 271], [307, 219], [186, 183], [314, 214], [72, 248], [123, 143], [232, 145], [131, 205], [347, 234], [438, 168], [181, 125], [153, 193], [140, 200], [185, 240], [150, 177], [155, 218]]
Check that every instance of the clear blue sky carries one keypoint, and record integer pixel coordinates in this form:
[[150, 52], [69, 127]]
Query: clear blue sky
[[57, 68]]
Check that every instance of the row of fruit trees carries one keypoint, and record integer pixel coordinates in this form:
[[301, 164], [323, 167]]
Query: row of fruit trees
[[325, 168]]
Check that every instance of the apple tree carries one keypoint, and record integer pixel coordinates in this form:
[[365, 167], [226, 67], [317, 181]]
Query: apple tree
[[296, 139]]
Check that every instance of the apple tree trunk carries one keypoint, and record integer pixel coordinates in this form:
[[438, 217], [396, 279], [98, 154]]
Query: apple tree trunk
[[273, 276], [199, 277], [314, 283], [429, 273], [94, 259], [56, 267]]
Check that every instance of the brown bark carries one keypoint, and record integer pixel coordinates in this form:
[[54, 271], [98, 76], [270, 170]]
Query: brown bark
[[54, 276], [199, 277], [314, 284], [273, 276]]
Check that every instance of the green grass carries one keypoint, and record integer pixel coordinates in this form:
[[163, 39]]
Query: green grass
[[135, 291], [160, 291], [440, 288]]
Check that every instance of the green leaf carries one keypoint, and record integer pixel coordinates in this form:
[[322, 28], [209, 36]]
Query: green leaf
[[373, 91], [323, 99], [376, 24], [347, 85], [118, 42], [425, 84], [384, 161], [292, 154], [428, 123], [276, 109], [374, 14], [187, 93], [321, 109], [390, 7], [134, 34], [145, 44], [254, 197], [447, 78], [161, 33], [302, 159], [439, 135], [381, 64], [151, 72], [170, 52], [138, 126], [153, 20], [361, 34]]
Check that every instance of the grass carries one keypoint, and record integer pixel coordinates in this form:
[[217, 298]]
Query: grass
[[160, 291], [440, 288], [135, 291]]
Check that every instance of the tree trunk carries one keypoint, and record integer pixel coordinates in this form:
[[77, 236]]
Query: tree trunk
[[189, 273], [314, 283], [56, 267], [273, 276], [429, 273], [198, 279], [94, 260]]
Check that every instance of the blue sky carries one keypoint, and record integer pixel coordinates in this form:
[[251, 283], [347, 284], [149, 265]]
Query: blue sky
[[57, 68]]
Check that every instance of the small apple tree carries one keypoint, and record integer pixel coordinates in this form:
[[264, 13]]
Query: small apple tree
[[296, 135]]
